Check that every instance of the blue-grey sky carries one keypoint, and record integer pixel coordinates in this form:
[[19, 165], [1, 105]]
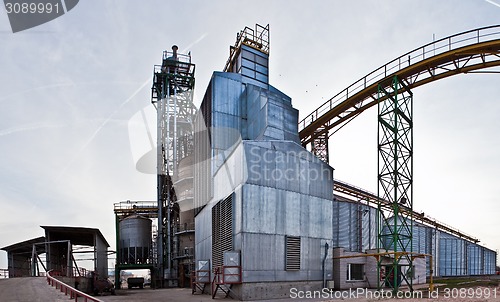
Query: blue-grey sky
[[69, 89]]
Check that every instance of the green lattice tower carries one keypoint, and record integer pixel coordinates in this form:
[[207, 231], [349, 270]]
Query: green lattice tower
[[395, 178]]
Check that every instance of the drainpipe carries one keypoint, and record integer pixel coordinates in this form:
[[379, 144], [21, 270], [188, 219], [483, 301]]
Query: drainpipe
[[324, 261]]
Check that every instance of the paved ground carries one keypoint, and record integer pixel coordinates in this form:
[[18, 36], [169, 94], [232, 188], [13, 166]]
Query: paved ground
[[175, 294], [37, 290], [184, 295], [29, 290]]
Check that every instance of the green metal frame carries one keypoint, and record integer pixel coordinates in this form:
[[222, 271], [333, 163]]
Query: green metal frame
[[395, 179]]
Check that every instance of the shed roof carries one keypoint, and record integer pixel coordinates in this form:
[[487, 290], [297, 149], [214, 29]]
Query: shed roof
[[77, 235], [26, 247]]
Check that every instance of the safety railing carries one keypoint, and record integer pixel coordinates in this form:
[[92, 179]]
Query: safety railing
[[184, 227], [127, 205], [419, 54], [258, 38], [199, 280], [224, 277], [68, 290]]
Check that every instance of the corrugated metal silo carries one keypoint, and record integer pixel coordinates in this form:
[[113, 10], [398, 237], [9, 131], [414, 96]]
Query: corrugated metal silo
[[369, 223], [475, 259], [135, 239], [452, 255], [354, 226], [490, 260]]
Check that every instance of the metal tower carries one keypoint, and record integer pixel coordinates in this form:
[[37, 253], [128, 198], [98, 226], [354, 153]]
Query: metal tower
[[319, 144], [395, 179], [172, 96]]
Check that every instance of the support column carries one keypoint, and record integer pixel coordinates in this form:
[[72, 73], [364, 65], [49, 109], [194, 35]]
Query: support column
[[319, 145], [395, 179]]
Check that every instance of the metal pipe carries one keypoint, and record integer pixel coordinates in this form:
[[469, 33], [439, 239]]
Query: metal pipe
[[323, 265], [33, 261], [160, 180], [41, 262], [68, 260]]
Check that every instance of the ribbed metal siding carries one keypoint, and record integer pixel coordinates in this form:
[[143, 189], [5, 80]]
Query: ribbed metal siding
[[475, 259], [452, 256], [480, 260], [388, 229], [369, 222], [424, 241], [490, 260], [354, 226], [202, 181], [344, 226]]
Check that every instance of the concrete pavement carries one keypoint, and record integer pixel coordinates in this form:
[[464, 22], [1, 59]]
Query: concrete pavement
[[30, 289]]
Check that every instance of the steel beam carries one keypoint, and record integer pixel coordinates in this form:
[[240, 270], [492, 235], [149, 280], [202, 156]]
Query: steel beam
[[319, 145]]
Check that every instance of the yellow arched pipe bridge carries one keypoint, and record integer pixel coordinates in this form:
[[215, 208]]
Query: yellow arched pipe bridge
[[460, 53]]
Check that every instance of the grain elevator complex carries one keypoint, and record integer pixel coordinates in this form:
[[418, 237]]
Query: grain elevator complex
[[244, 209], [247, 203]]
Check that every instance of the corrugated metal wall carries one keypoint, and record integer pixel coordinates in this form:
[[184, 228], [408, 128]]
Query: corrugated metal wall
[[490, 260], [424, 242], [453, 256], [354, 226], [475, 259]]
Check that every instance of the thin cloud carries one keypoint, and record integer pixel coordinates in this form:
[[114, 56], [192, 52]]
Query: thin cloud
[[195, 42], [30, 127], [102, 126]]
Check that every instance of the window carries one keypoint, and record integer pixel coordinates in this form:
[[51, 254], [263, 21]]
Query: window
[[292, 252], [355, 272]]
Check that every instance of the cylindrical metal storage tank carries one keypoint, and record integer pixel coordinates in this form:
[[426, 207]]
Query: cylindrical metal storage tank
[[354, 226], [135, 240], [184, 184], [186, 167], [369, 234], [387, 242]]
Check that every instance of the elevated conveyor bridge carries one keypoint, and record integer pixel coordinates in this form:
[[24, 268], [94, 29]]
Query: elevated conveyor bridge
[[460, 53], [390, 87]]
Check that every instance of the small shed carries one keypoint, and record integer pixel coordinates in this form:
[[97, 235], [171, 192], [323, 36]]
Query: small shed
[[57, 253], [20, 257], [58, 247]]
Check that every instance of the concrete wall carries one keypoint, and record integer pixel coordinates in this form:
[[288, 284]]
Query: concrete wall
[[272, 290], [101, 257]]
